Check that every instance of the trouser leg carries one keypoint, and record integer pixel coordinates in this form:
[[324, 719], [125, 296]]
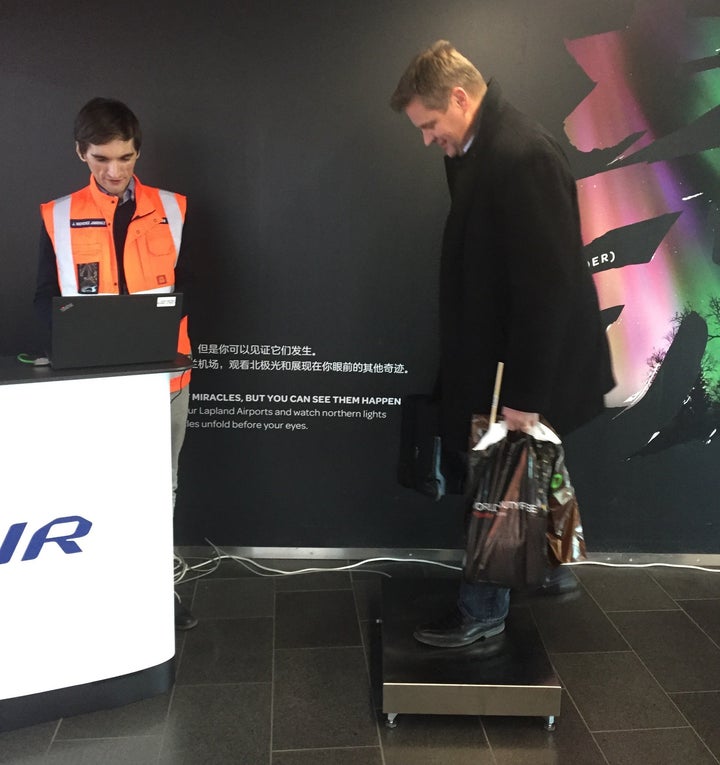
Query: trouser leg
[[484, 602], [179, 403]]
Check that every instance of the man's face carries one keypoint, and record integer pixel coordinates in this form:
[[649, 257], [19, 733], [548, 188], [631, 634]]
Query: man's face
[[111, 164], [448, 128]]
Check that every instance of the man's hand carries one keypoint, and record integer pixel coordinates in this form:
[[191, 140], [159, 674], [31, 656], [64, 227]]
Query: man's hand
[[516, 420]]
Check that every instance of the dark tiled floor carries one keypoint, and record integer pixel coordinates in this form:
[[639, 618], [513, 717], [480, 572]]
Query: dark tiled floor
[[284, 672]]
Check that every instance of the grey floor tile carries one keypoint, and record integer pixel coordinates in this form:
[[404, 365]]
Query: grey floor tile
[[524, 741], [186, 591], [24, 757], [614, 691], [219, 725], [683, 583], [364, 756], [371, 633], [702, 711], [322, 699], [139, 750], [327, 713], [143, 718], [239, 598], [436, 740], [706, 613], [414, 598], [179, 645], [368, 598], [372, 645], [575, 623], [26, 745], [314, 619], [227, 651], [622, 589], [676, 651], [656, 747]]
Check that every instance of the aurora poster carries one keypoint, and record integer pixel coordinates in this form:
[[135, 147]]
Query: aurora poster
[[650, 130], [641, 128]]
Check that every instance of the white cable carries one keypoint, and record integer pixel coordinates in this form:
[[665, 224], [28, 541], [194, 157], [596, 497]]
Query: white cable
[[643, 565], [185, 568], [248, 562], [265, 571]]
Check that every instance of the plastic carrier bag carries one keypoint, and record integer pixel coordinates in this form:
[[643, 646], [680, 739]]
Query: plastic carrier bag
[[522, 515]]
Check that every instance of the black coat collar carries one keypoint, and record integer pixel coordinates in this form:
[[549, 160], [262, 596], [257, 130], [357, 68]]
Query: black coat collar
[[462, 171]]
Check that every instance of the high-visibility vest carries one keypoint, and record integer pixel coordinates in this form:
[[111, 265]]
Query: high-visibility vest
[[80, 227]]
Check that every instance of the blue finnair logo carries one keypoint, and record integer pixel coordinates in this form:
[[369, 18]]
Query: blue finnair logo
[[44, 536]]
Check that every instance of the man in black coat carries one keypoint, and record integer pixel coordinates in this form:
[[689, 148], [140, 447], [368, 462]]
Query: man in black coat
[[514, 284]]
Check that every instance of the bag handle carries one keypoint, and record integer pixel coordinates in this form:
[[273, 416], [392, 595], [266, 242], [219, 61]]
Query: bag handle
[[496, 393]]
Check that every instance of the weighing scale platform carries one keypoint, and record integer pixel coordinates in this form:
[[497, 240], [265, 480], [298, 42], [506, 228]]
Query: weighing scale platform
[[509, 674]]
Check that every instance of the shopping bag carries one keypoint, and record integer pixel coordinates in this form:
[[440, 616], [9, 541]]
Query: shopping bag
[[565, 536], [508, 496]]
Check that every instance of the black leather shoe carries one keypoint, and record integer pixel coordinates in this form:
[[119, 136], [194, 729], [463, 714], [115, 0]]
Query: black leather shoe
[[456, 630], [560, 581], [184, 620]]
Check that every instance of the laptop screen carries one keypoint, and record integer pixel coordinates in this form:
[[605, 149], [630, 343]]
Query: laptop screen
[[112, 330]]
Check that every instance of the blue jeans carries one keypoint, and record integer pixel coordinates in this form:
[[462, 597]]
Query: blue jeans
[[484, 602]]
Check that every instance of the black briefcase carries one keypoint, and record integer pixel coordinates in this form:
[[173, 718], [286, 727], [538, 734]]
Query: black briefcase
[[423, 464]]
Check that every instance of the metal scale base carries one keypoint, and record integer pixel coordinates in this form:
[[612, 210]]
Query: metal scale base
[[509, 674]]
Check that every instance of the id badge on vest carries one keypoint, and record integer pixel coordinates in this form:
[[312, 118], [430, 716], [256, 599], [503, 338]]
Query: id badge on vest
[[88, 278]]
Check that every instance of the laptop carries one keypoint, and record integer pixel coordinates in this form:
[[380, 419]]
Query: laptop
[[114, 330]]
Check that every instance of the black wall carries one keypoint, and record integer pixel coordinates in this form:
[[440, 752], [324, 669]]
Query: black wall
[[315, 215]]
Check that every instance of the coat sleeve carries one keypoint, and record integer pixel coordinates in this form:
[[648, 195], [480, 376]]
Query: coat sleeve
[[47, 285], [184, 275], [539, 232]]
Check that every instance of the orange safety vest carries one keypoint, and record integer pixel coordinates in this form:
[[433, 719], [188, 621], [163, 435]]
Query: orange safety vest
[[80, 227]]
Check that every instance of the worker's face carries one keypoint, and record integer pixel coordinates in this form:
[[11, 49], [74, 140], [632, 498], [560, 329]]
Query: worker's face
[[111, 164], [448, 128]]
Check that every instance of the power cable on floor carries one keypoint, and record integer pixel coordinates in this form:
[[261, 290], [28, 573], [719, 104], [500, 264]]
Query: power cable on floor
[[185, 572]]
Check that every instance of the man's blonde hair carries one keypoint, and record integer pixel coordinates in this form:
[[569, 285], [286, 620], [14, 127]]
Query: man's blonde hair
[[432, 74]]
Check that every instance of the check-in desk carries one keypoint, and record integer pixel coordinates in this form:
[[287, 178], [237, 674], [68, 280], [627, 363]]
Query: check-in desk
[[86, 565]]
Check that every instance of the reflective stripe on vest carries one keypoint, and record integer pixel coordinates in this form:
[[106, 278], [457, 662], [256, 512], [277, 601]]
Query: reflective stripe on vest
[[156, 290], [63, 246], [174, 218]]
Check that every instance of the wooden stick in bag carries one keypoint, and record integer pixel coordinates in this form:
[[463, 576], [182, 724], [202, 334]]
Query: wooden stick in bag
[[496, 393]]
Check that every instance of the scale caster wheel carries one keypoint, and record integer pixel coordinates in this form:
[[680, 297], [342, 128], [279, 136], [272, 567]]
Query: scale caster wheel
[[391, 721], [549, 723]]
